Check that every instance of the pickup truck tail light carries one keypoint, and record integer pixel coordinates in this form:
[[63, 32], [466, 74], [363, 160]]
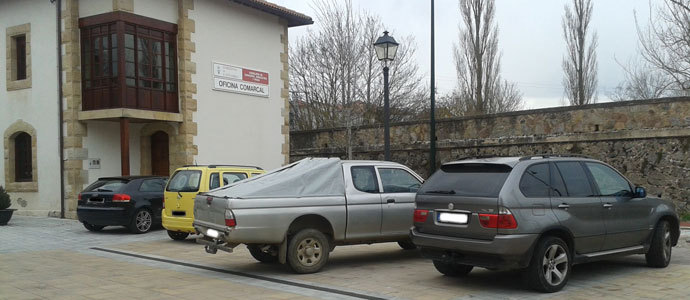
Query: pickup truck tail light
[[420, 215], [79, 197], [503, 220], [121, 198], [230, 219]]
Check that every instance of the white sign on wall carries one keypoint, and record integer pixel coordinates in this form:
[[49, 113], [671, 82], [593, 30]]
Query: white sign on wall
[[234, 79]]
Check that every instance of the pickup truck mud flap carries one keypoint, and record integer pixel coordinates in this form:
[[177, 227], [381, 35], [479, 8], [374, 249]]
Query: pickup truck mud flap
[[213, 245]]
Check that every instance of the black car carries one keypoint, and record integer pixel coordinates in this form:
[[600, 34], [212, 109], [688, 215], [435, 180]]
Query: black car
[[132, 201]]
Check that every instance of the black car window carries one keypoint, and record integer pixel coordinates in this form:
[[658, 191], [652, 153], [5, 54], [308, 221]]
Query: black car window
[[610, 183], [152, 185], [231, 177], [106, 185], [468, 179], [214, 182], [575, 178], [185, 181], [398, 181], [364, 179], [535, 181]]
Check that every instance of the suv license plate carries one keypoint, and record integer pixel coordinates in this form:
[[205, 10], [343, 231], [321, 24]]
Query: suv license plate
[[455, 218]]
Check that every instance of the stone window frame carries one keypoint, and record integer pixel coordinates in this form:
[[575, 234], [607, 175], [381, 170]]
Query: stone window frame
[[11, 57], [11, 185]]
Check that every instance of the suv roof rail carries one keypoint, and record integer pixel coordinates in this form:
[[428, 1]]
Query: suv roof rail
[[554, 155], [222, 165], [479, 157]]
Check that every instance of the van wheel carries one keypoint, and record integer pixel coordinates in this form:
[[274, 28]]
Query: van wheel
[[141, 222], [659, 254], [308, 251], [549, 268], [178, 236], [407, 245], [92, 227], [452, 269], [264, 253]]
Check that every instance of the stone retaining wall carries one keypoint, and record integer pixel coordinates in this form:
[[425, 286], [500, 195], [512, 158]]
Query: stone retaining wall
[[648, 140]]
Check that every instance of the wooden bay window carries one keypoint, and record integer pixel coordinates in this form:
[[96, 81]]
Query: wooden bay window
[[128, 61]]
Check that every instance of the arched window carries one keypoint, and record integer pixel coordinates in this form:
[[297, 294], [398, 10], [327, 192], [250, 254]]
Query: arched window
[[22, 158]]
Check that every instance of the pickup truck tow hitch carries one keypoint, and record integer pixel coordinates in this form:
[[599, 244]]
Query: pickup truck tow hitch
[[212, 245], [211, 250]]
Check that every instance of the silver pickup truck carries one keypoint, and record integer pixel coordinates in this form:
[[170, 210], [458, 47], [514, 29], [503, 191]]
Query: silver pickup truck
[[297, 214]]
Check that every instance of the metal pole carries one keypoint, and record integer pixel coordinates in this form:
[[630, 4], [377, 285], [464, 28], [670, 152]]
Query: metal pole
[[432, 125], [386, 117]]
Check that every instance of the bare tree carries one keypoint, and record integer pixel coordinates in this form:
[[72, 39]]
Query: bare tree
[[666, 43], [580, 62], [336, 79], [478, 64], [641, 81]]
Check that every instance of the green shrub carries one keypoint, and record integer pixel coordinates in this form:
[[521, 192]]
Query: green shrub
[[4, 198]]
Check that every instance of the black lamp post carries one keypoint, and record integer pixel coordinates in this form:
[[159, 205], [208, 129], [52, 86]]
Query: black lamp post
[[386, 47]]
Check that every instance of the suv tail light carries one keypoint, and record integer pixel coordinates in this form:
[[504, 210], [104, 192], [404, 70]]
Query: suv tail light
[[121, 198], [420, 215], [503, 220], [230, 219]]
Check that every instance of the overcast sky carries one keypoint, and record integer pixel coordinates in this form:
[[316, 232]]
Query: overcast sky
[[530, 39]]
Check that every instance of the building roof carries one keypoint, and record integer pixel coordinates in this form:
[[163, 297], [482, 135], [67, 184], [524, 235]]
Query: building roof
[[293, 18]]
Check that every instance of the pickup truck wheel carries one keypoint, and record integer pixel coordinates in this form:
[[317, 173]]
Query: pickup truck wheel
[[92, 227], [178, 236], [264, 253], [452, 269], [659, 254], [141, 221], [407, 245], [549, 268], [308, 251]]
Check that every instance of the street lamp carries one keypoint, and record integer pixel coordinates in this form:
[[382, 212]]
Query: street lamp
[[386, 47]]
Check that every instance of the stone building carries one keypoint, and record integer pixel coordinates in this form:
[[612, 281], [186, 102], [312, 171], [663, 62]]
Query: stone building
[[146, 86]]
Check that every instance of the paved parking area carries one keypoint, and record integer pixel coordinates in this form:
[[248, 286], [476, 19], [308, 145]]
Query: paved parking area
[[59, 259]]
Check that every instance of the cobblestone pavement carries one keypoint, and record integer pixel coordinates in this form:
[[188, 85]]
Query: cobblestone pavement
[[59, 259]]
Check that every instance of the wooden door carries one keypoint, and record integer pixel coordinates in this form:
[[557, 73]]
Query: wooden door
[[160, 154]]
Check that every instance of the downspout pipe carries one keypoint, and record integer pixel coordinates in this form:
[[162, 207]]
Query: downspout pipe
[[61, 139]]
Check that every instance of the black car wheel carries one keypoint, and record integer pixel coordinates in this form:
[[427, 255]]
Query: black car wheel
[[142, 221], [264, 253], [92, 227], [178, 236], [659, 254], [308, 251], [452, 269], [549, 269]]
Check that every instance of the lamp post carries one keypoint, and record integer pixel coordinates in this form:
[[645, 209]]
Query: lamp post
[[386, 47]]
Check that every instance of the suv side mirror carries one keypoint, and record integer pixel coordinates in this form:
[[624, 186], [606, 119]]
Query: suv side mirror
[[640, 192]]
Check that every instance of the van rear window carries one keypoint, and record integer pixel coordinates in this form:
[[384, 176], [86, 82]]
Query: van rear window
[[184, 181], [469, 180]]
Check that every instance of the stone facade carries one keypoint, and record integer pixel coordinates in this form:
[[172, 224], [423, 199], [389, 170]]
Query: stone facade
[[184, 148], [647, 140], [284, 93]]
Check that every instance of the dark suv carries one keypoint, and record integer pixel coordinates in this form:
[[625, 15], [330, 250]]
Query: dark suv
[[539, 213]]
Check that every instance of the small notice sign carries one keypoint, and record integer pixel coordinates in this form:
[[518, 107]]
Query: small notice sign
[[234, 79]]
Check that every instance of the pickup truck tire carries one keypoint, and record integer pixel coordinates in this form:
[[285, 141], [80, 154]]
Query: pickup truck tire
[[263, 256], [659, 254], [92, 227], [452, 269], [407, 245], [550, 266], [308, 251], [178, 236]]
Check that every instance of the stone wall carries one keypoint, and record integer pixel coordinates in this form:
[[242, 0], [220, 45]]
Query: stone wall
[[647, 140]]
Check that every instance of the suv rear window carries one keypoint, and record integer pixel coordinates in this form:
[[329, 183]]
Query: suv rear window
[[184, 181], [107, 185], [470, 180]]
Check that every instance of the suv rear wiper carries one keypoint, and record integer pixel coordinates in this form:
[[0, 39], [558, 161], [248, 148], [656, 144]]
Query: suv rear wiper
[[447, 192]]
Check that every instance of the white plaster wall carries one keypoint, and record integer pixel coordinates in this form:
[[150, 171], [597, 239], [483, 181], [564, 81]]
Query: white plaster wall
[[235, 128], [103, 141], [164, 10], [94, 7], [37, 105]]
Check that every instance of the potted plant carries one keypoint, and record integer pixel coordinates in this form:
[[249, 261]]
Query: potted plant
[[5, 211]]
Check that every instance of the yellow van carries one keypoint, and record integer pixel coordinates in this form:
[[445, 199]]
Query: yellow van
[[186, 183]]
